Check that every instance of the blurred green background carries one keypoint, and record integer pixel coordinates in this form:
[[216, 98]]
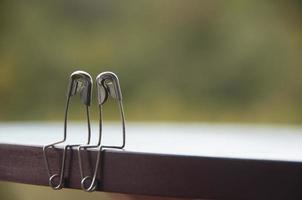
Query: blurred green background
[[198, 60], [177, 60]]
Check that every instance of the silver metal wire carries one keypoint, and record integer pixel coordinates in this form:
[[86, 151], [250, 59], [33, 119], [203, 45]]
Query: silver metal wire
[[107, 85], [80, 82]]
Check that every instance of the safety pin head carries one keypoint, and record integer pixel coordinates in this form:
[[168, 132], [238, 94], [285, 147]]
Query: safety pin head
[[81, 82], [108, 85]]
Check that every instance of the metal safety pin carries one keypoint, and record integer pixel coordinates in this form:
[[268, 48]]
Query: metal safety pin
[[79, 82], [107, 85]]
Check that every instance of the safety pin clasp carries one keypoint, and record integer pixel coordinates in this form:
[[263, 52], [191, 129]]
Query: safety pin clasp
[[108, 85], [81, 82]]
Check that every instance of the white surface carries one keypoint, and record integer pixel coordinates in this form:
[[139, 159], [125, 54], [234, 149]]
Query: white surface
[[235, 141]]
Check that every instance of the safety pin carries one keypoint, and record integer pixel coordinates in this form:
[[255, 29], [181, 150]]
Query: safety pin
[[79, 82], [107, 85]]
